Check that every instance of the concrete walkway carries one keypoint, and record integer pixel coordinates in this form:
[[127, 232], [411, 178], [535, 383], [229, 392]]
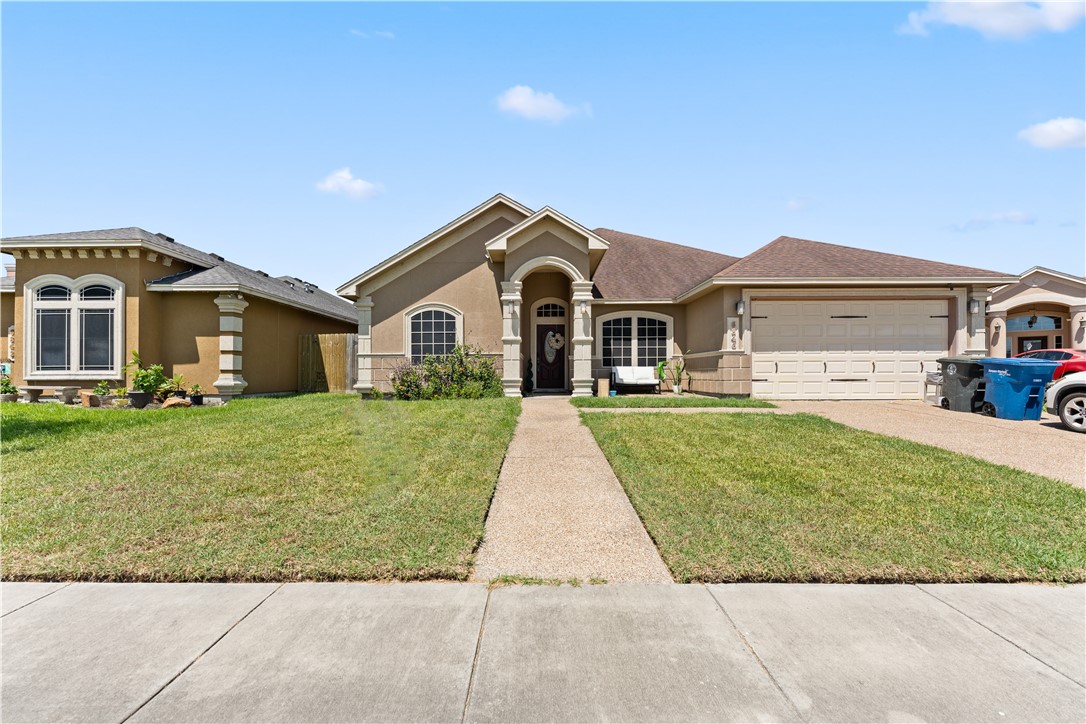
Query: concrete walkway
[[1045, 447], [559, 511], [449, 652]]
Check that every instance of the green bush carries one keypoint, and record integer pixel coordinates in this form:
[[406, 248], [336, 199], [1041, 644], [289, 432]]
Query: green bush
[[7, 387], [146, 379], [462, 374]]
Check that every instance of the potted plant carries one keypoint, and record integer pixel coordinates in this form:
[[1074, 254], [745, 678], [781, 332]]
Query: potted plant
[[8, 391], [146, 381], [97, 396], [677, 370], [120, 397], [173, 387], [196, 395]]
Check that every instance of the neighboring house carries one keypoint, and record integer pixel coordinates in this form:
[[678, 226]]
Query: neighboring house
[[81, 302], [1043, 309], [795, 319]]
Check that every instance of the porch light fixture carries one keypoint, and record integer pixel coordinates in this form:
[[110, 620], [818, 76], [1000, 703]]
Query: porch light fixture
[[1031, 321], [974, 306], [1082, 323], [740, 307], [996, 326]]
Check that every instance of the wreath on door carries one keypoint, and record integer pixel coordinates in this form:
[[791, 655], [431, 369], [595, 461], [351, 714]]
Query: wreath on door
[[554, 342]]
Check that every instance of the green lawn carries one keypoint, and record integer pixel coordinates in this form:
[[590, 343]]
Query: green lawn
[[667, 401], [799, 498], [318, 487]]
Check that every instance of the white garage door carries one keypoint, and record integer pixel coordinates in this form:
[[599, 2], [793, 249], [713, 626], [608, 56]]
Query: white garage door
[[840, 349]]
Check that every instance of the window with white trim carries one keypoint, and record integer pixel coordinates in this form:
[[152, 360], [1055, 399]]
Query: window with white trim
[[434, 333], [638, 340], [74, 326]]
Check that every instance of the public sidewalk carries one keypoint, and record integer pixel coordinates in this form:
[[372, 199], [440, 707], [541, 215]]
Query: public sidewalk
[[460, 652], [559, 512]]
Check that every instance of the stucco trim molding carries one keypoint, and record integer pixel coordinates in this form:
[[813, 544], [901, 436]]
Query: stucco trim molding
[[541, 262], [456, 313]]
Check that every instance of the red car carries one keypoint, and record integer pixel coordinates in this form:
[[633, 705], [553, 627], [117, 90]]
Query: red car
[[1071, 360]]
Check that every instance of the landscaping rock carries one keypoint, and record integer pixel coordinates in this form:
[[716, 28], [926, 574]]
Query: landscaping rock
[[176, 402]]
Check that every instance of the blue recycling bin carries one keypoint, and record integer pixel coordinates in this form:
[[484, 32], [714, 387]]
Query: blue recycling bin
[[1014, 388]]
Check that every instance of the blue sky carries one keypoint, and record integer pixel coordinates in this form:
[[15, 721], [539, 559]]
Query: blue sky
[[896, 127]]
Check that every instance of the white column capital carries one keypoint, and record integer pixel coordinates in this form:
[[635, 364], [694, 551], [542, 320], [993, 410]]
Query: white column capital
[[364, 303], [231, 303]]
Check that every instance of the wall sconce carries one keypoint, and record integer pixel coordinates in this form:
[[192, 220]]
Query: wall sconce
[[740, 307], [1082, 323], [974, 306], [996, 325]]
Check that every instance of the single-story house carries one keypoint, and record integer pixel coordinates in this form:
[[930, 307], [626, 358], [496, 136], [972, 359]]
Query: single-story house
[[794, 319], [1043, 309], [78, 303]]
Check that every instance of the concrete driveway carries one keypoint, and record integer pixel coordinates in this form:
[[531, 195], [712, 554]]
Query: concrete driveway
[[1045, 447]]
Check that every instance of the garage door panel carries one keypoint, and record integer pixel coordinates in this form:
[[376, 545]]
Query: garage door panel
[[874, 349]]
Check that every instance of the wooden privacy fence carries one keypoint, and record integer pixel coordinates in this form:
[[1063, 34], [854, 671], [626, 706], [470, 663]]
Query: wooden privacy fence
[[327, 362]]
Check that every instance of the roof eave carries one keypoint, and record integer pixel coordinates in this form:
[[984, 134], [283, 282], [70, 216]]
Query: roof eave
[[863, 281], [245, 289], [164, 248]]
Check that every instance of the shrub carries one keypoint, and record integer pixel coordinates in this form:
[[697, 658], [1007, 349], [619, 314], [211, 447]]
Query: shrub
[[462, 374], [102, 388], [7, 387], [146, 379]]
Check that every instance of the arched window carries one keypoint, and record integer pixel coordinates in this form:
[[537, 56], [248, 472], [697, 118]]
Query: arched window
[[634, 339], [75, 327], [433, 332], [550, 309]]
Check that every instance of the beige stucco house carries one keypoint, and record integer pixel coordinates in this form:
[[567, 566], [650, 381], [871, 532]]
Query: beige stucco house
[[1043, 309], [78, 303], [794, 319]]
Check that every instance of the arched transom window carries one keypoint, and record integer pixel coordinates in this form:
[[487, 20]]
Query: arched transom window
[[550, 309], [434, 331], [640, 340], [75, 327]]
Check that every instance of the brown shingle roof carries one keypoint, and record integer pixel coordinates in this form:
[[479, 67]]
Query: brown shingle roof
[[637, 267], [786, 257]]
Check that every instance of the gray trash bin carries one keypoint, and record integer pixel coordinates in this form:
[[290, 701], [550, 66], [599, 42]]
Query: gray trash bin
[[963, 383]]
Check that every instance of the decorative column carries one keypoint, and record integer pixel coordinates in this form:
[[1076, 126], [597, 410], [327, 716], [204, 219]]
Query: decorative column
[[511, 302], [1078, 326], [582, 338], [364, 383], [230, 382], [975, 343], [997, 334]]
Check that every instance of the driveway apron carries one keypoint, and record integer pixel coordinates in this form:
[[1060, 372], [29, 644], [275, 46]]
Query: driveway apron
[[559, 511]]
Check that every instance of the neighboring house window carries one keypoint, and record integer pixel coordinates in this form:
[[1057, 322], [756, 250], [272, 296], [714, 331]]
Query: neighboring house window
[[643, 340], [433, 332], [75, 326]]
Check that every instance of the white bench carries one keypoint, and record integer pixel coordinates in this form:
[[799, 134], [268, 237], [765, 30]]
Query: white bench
[[66, 394], [635, 376]]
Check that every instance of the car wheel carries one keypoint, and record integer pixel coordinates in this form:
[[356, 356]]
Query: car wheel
[[1073, 411]]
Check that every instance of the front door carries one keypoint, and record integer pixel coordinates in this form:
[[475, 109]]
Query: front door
[[1030, 344], [550, 346]]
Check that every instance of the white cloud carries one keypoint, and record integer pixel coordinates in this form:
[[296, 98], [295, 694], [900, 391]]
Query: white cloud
[[343, 182], [386, 34], [536, 105], [1057, 133], [994, 19], [1007, 217]]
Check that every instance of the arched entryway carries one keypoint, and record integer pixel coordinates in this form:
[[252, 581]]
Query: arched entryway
[[1045, 309]]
